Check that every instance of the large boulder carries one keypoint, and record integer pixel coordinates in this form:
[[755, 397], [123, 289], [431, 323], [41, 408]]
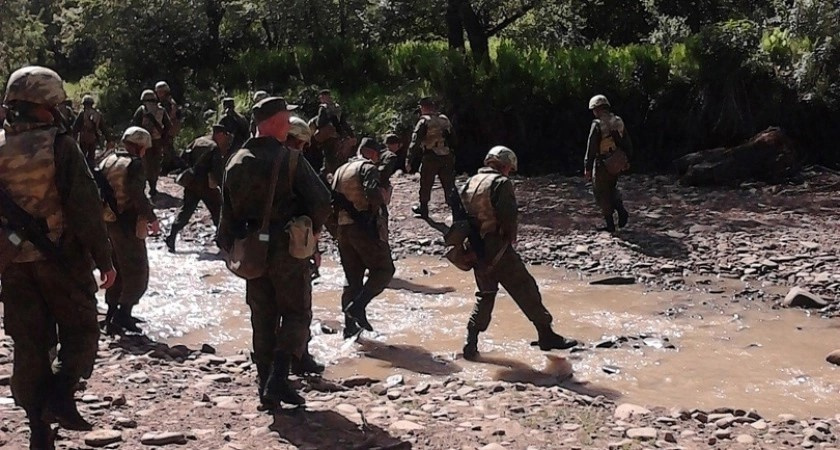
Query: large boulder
[[770, 156], [800, 298]]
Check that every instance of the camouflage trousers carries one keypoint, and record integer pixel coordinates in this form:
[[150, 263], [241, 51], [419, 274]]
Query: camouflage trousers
[[211, 198], [281, 307], [361, 252], [132, 264], [46, 304], [434, 166], [152, 163], [605, 188], [513, 275], [88, 148]]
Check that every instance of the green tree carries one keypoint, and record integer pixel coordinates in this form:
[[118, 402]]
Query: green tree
[[21, 36]]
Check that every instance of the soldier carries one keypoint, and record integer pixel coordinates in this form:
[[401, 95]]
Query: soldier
[[202, 182], [606, 135], [48, 289], [164, 96], [334, 136], [129, 216], [235, 122], [153, 118], [362, 235], [258, 97], [68, 114], [490, 203], [431, 148], [281, 299], [90, 129], [394, 145]]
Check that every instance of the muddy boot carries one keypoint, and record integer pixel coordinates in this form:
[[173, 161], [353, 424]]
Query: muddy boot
[[61, 405], [420, 210], [109, 316], [124, 320], [306, 365], [357, 310], [610, 224], [42, 436], [471, 347], [549, 340], [277, 388], [351, 328], [170, 241], [623, 215]]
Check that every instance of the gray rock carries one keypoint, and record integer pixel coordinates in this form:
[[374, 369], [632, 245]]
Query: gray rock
[[627, 411], [834, 357], [406, 426], [642, 434], [394, 381], [165, 438], [800, 298], [102, 438], [422, 388], [358, 381], [745, 439], [218, 378], [614, 281]]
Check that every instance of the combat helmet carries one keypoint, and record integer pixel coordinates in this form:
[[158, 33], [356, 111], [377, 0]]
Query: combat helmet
[[137, 136], [300, 129], [35, 84], [162, 86], [260, 96], [88, 100], [503, 155], [598, 101], [148, 96]]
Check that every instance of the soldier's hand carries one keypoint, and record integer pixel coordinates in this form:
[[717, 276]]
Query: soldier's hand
[[587, 175], [154, 228], [317, 259], [107, 278]]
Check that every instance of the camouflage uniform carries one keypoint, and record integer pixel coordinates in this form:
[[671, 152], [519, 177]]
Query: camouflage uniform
[[90, 127], [208, 165], [173, 111], [490, 201], [362, 247], [331, 131], [47, 301], [238, 125], [68, 114], [154, 119], [124, 173], [431, 143], [280, 301], [606, 134]]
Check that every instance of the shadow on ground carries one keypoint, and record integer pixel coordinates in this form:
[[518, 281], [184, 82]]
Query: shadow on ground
[[405, 285], [409, 357], [329, 430]]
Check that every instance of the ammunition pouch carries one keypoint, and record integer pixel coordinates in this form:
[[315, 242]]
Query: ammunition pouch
[[457, 233], [302, 243], [616, 162], [462, 257]]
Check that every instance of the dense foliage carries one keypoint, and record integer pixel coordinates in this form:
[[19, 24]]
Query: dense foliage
[[684, 75]]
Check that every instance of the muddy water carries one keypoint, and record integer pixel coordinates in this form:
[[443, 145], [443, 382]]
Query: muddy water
[[771, 361]]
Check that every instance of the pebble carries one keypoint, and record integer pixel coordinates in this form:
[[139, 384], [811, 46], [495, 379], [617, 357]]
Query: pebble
[[406, 426], [723, 434], [218, 378], [422, 388], [102, 438], [164, 438], [642, 434], [834, 357], [800, 298], [628, 410], [745, 439], [494, 446]]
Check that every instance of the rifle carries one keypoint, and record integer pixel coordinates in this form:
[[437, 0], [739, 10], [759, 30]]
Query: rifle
[[366, 219], [28, 227], [106, 191], [460, 214]]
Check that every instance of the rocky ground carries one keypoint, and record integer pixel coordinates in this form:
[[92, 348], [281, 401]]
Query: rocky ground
[[752, 243]]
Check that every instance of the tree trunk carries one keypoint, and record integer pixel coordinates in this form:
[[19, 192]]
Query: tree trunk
[[454, 25], [215, 13], [476, 33]]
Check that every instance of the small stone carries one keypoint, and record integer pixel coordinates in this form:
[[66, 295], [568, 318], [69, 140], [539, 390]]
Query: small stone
[[358, 381], [669, 437], [789, 419], [745, 439], [834, 357], [125, 422], [759, 425], [208, 349], [394, 381], [723, 434], [493, 446], [613, 281], [465, 391], [570, 427], [629, 410], [800, 298], [218, 378], [394, 394], [642, 434], [406, 426], [165, 438], [101, 438], [138, 377], [422, 388], [119, 401]]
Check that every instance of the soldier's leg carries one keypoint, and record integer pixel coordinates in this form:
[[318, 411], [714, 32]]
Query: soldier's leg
[[184, 215], [259, 294], [213, 201], [293, 286], [623, 215], [89, 150], [151, 165], [428, 171], [447, 177], [513, 275], [602, 185], [485, 300], [376, 258], [354, 274], [113, 293]]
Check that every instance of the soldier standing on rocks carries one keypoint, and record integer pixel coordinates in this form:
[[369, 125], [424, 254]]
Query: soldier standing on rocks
[[48, 289], [362, 235], [90, 129], [153, 118], [280, 299], [129, 216], [206, 156], [431, 149], [606, 136], [334, 136], [164, 95], [490, 203], [235, 122]]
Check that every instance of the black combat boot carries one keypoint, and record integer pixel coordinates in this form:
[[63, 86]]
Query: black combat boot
[[471, 347], [549, 340], [42, 436], [351, 328], [170, 241], [623, 215], [61, 404], [357, 310], [124, 319], [263, 371], [277, 388], [420, 210], [610, 224], [306, 365], [109, 316]]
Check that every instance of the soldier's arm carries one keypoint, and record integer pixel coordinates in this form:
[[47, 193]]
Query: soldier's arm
[[370, 182], [136, 188], [77, 124], [81, 202], [313, 193], [387, 166], [225, 233], [507, 214], [323, 117], [592, 145], [416, 147], [167, 124], [137, 120]]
